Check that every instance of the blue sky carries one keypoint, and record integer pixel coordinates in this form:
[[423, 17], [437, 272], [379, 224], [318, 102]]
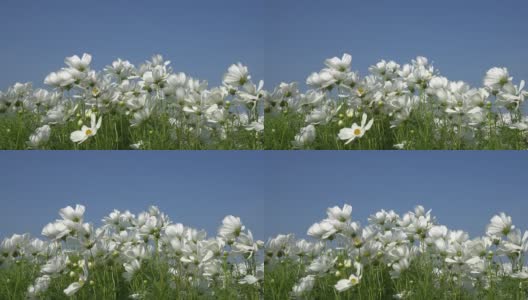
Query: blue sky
[[201, 37], [464, 189], [279, 40], [272, 191], [194, 188]]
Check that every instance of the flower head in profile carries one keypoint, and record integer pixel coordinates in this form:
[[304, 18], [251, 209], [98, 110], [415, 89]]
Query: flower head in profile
[[339, 214], [500, 225], [304, 137], [231, 228], [40, 285], [237, 75], [77, 63], [62, 78], [39, 137], [82, 135], [323, 230], [257, 126], [73, 214], [56, 231], [304, 285], [341, 65], [356, 131], [353, 280], [496, 78], [322, 80]]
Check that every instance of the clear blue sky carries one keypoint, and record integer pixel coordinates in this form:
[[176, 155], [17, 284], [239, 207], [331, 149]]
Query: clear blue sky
[[201, 37], [463, 38], [279, 40], [272, 192], [194, 188], [464, 189]]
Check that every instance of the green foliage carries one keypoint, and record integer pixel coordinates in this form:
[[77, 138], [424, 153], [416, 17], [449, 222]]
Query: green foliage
[[152, 281], [417, 283], [117, 134], [418, 132]]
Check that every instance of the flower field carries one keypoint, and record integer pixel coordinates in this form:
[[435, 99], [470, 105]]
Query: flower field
[[396, 107], [146, 256], [397, 257], [152, 107], [131, 257], [129, 107]]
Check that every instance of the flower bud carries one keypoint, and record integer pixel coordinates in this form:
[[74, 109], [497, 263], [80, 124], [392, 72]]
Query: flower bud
[[348, 263]]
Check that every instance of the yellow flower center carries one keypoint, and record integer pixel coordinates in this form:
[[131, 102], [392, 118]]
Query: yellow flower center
[[357, 131], [354, 280], [88, 132]]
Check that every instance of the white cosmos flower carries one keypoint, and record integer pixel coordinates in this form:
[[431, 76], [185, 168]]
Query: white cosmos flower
[[156, 77], [322, 264], [231, 228], [500, 225], [60, 78], [131, 268], [80, 64], [303, 286], [496, 78], [345, 284], [237, 75], [306, 136], [56, 230], [40, 136], [400, 146], [73, 288], [137, 146], [248, 279], [73, 214], [341, 65], [255, 126], [356, 131], [515, 243], [322, 80], [398, 267], [40, 285], [353, 280], [142, 115], [339, 214], [82, 135], [322, 230], [54, 265]]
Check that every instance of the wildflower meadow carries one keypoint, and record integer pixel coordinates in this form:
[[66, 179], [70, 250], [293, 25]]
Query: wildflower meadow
[[410, 106], [147, 256], [129, 107], [397, 257], [144, 256], [151, 107]]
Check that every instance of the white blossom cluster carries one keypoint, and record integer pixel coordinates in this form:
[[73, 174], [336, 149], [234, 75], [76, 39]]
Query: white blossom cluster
[[149, 91], [338, 94], [74, 247], [342, 248]]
